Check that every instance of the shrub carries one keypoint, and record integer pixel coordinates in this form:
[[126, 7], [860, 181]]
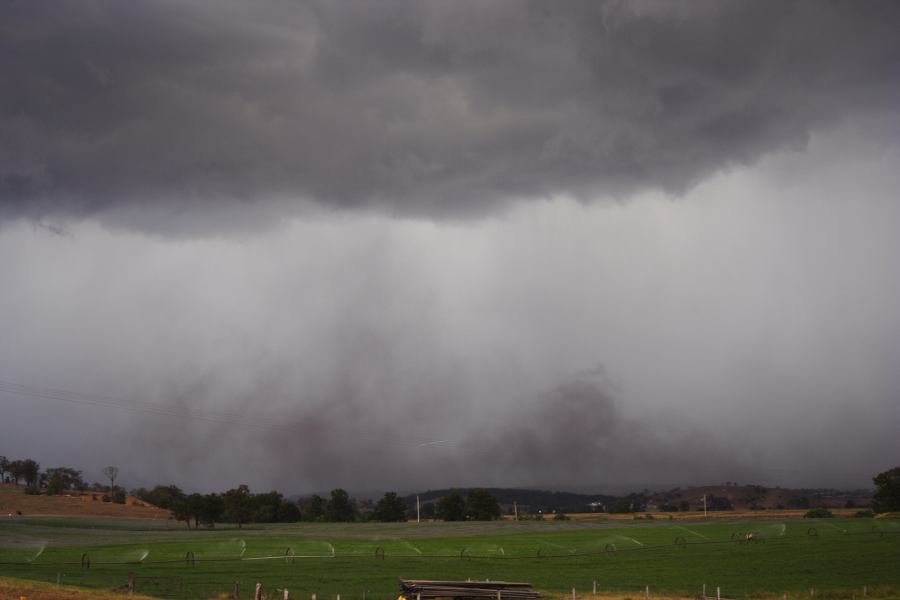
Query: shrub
[[818, 513], [867, 513], [560, 517], [32, 491]]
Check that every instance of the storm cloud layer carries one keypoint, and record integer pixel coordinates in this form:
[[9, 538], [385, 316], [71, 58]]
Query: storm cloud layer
[[397, 245], [184, 117]]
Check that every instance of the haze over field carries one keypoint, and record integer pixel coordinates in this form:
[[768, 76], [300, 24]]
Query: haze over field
[[399, 245]]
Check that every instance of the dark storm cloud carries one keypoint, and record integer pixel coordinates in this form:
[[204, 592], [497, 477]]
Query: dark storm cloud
[[577, 432], [154, 114]]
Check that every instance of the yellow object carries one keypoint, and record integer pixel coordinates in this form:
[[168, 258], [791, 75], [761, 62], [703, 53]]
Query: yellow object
[[400, 597]]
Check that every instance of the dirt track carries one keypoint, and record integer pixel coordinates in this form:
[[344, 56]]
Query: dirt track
[[15, 589]]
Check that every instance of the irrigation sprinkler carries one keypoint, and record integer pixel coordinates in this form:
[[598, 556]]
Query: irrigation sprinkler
[[610, 549], [680, 541], [189, 558], [289, 555], [812, 532], [379, 553]]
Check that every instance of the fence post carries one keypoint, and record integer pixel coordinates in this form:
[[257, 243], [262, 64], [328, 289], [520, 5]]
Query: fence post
[[718, 593], [865, 591], [595, 587], [130, 582], [258, 594], [647, 591], [236, 594], [573, 593], [704, 590], [58, 576]]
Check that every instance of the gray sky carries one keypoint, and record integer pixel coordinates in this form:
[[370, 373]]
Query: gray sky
[[581, 244]]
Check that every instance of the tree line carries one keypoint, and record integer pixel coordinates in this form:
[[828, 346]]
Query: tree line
[[239, 505], [53, 480]]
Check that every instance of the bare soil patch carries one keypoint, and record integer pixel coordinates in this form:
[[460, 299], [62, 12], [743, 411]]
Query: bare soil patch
[[15, 502]]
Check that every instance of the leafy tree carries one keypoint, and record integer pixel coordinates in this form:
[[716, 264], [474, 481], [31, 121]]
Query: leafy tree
[[452, 507], [181, 511], [69, 479], [265, 507], [340, 508], [288, 512], [887, 494], [30, 471], [15, 470], [54, 484], [390, 509], [195, 508], [313, 508], [212, 508], [482, 506], [163, 496], [238, 505], [265, 513]]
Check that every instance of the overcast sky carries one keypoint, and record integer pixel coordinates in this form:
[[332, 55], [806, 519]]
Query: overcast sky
[[399, 245]]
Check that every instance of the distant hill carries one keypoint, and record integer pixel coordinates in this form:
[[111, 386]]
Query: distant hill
[[527, 500], [720, 497], [15, 502], [758, 497]]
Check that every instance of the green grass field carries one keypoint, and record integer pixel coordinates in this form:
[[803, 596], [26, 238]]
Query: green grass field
[[831, 556]]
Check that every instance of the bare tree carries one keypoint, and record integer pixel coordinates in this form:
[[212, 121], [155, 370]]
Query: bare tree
[[111, 473]]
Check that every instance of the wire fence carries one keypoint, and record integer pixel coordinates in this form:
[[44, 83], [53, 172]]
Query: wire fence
[[196, 576]]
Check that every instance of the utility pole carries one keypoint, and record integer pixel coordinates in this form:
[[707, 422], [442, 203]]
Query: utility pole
[[704, 506], [418, 514], [516, 509]]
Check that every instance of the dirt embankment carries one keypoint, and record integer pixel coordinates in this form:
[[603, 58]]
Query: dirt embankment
[[15, 589], [14, 502]]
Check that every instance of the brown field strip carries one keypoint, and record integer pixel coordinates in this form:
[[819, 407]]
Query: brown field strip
[[14, 500]]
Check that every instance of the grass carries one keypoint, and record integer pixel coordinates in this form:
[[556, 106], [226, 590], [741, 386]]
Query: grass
[[834, 556]]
